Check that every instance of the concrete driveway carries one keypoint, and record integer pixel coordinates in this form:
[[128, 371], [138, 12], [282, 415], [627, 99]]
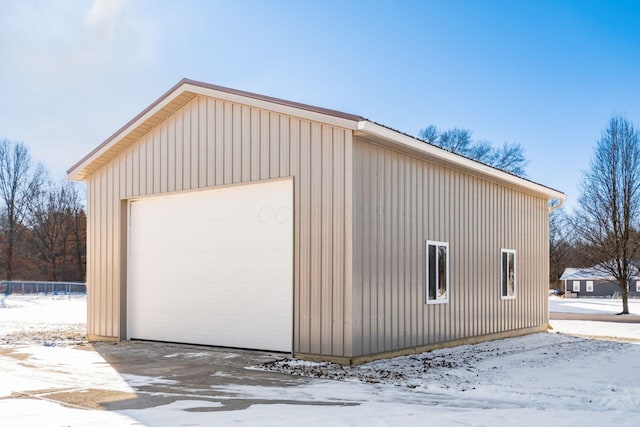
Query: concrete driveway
[[162, 373]]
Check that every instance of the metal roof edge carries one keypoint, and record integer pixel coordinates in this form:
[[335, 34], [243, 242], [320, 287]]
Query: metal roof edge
[[387, 133], [75, 172], [355, 122], [274, 100], [88, 158]]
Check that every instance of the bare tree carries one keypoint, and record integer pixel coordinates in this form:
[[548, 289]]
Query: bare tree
[[79, 236], [57, 232], [20, 182], [483, 151], [455, 140], [429, 134], [508, 157], [608, 220], [560, 247]]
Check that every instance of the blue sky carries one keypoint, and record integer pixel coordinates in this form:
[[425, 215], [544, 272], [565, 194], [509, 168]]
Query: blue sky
[[545, 74]]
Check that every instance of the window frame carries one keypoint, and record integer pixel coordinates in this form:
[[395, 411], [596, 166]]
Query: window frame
[[428, 300], [589, 287], [573, 289], [504, 287]]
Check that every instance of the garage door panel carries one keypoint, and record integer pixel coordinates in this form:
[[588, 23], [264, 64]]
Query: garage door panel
[[213, 267]]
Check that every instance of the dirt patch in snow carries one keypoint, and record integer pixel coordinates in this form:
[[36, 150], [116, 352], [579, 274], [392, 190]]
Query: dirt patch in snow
[[43, 320], [79, 399], [459, 368], [52, 335], [10, 352]]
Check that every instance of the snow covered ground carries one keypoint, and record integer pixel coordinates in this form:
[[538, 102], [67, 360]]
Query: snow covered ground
[[43, 319], [601, 330], [549, 379], [584, 328], [591, 305]]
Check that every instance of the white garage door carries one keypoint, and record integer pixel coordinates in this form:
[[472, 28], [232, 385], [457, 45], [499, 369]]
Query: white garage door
[[213, 267]]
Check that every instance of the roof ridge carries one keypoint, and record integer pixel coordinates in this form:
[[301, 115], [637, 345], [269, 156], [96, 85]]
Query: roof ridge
[[281, 101]]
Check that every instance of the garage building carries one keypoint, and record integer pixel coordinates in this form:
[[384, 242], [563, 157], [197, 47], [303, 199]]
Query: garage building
[[222, 217]]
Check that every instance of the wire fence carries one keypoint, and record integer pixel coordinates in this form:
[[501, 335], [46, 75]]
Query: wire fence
[[46, 288]]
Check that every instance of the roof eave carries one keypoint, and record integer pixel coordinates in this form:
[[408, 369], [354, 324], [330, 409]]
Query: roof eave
[[79, 171], [439, 155]]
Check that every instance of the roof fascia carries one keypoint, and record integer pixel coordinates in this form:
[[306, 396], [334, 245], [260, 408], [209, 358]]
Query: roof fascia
[[439, 155], [78, 172], [75, 173], [273, 105]]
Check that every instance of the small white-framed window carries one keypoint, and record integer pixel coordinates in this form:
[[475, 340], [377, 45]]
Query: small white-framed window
[[436, 272], [507, 273], [576, 286], [638, 286], [589, 285]]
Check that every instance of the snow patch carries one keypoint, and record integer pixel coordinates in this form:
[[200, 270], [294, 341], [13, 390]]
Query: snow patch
[[142, 381], [187, 355]]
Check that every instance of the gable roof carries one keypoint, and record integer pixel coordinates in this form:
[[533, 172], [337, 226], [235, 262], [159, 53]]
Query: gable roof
[[596, 272], [185, 90], [592, 273], [177, 97]]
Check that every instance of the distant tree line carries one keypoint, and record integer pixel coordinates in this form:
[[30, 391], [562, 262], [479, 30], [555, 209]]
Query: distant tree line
[[42, 222]]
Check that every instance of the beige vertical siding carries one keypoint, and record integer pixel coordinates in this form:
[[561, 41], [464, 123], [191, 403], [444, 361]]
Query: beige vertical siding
[[362, 214], [399, 203], [211, 142]]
